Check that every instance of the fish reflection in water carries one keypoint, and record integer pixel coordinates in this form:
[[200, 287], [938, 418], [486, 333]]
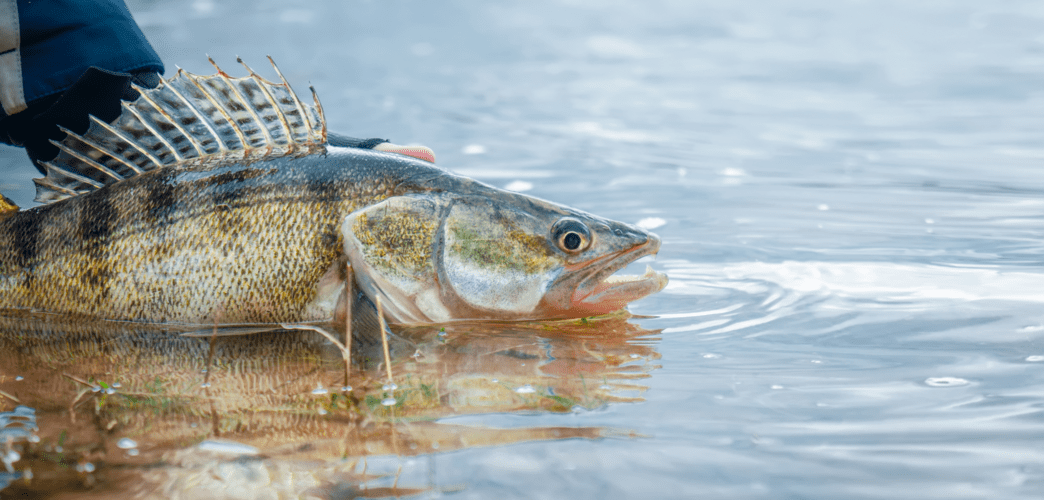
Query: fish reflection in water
[[93, 388]]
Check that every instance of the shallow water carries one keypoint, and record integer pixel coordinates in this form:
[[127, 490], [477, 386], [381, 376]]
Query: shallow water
[[849, 196]]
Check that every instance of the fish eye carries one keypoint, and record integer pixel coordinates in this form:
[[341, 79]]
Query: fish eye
[[571, 235]]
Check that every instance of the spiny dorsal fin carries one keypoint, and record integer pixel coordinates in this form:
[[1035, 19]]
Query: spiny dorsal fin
[[182, 121]]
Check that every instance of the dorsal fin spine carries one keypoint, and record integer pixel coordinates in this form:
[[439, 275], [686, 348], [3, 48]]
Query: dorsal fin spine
[[297, 102], [271, 100], [84, 158], [204, 121], [155, 133], [250, 109], [85, 180], [319, 109], [61, 189], [221, 109], [141, 149], [192, 140]]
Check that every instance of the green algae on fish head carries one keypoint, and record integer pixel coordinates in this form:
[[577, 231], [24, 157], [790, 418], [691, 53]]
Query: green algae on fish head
[[397, 241]]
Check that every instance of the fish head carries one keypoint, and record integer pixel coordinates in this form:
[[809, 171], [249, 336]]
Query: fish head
[[497, 255]]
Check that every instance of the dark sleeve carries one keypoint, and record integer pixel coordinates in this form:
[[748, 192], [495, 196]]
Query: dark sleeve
[[78, 58], [60, 39]]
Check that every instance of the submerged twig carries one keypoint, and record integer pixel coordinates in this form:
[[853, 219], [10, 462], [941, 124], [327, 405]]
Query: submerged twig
[[8, 396], [74, 378], [73, 405], [384, 338], [350, 297]]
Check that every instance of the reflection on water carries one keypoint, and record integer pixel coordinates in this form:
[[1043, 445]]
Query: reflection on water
[[105, 407]]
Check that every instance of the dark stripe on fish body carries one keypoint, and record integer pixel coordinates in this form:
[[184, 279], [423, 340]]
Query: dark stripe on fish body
[[96, 217], [96, 212], [25, 232], [161, 198]]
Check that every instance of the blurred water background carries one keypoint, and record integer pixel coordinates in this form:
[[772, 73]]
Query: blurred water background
[[850, 197]]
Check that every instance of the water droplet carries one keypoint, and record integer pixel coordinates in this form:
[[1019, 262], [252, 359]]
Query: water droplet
[[58, 449], [1034, 359], [12, 457], [650, 223], [117, 385], [389, 386], [525, 389], [110, 391], [203, 371], [945, 381], [132, 452], [473, 149], [388, 402], [712, 356], [85, 467], [823, 206], [19, 378], [777, 387], [193, 425], [95, 388], [496, 380], [634, 356], [346, 388], [126, 444], [34, 438], [519, 186], [319, 390], [322, 411], [733, 172], [205, 385]]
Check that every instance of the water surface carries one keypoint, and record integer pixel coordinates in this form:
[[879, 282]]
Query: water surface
[[850, 199]]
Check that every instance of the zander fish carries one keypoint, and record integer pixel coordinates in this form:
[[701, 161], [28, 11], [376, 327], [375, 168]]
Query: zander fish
[[221, 200]]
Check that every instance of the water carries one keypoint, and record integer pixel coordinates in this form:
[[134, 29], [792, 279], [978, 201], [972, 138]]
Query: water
[[850, 199]]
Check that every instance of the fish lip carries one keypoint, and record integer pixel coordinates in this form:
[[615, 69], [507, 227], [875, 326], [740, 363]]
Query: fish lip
[[596, 295]]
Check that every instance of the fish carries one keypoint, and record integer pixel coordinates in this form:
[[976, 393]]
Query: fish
[[220, 200]]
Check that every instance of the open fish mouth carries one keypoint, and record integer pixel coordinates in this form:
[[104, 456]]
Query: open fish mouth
[[604, 291]]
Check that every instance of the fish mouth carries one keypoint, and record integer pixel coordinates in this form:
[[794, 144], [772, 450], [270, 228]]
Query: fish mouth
[[603, 291]]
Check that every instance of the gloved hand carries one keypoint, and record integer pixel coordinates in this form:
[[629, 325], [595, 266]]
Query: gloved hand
[[419, 152]]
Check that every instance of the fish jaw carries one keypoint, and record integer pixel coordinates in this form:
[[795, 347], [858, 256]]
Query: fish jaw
[[602, 291], [590, 288]]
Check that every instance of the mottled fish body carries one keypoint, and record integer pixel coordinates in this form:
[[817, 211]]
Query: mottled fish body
[[219, 200]]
